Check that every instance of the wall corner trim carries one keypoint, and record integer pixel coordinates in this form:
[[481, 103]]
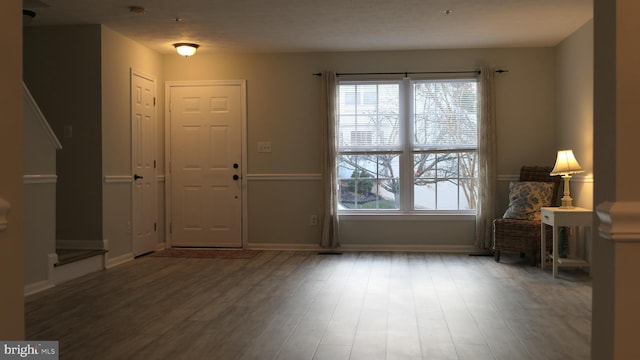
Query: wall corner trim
[[40, 179]]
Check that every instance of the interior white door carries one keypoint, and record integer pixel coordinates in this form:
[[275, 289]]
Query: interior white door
[[143, 123], [206, 154]]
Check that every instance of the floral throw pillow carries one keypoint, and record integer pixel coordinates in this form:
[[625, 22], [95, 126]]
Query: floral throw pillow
[[526, 198]]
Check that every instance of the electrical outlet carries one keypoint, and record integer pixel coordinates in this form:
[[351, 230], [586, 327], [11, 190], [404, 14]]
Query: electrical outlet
[[313, 221], [264, 147]]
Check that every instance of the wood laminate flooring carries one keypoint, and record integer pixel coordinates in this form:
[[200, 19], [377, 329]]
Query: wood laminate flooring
[[301, 305]]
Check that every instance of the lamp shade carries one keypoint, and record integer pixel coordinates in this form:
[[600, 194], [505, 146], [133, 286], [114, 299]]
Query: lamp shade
[[186, 49], [566, 164]]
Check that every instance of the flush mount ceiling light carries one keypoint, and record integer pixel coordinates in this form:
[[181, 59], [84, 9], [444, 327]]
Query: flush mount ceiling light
[[186, 49], [27, 16], [136, 10]]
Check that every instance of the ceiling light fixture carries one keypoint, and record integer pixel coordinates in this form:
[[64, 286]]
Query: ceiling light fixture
[[27, 16], [186, 49], [136, 10]]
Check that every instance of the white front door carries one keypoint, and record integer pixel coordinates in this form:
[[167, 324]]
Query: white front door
[[143, 123], [206, 169]]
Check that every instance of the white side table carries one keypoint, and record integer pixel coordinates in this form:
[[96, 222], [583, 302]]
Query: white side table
[[558, 217]]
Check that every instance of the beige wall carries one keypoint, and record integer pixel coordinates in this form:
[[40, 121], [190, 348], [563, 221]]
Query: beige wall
[[119, 56], [66, 86], [90, 90], [574, 128], [39, 146], [284, 108], [11, 240]]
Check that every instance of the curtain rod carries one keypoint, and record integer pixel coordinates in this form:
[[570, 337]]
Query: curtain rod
[[416, 72]]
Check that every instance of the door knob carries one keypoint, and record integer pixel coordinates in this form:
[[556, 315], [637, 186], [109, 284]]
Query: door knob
[[235, 165], [136, 177], [236, 177]]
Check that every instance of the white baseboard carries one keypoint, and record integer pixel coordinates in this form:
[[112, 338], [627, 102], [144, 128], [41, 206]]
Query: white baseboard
[[284, 247], [368, 247], [411, 248], [37, 287], [81, 244], [119, 260], [42, 285]]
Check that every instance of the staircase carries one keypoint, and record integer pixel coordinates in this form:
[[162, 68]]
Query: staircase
[[69, 264], [68, 256], [48, 261]]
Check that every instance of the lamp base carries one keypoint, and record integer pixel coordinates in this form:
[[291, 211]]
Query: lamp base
[[567, 201]]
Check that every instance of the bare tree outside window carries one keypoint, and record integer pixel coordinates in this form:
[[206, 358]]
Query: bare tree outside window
[[445, 139], [439, 138]]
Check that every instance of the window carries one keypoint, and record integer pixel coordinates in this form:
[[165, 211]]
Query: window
[[408, 145]]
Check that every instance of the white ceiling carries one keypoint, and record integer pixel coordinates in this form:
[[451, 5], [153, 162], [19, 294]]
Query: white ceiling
[[325, 25]]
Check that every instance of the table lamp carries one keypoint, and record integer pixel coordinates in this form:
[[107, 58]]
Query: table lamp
[[566, 164]]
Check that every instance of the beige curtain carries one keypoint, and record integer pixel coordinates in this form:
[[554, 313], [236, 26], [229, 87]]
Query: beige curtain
[[330, 224], [487, 150]]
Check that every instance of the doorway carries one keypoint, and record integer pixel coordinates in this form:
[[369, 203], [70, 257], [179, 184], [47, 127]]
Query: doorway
[[206, 162], [143, 163]]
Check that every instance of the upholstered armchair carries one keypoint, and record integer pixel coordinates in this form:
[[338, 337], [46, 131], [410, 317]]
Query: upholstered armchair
[[519, 230]]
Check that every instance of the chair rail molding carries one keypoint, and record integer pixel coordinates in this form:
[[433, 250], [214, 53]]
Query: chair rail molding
[[5, 206], [284, 177], [118, 179], [40, 178], [620, 220]]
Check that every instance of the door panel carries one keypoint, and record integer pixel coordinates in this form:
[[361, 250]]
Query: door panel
[[143, 164], [206, 131]]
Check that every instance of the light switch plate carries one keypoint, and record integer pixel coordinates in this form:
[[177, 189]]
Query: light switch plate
[[68, 131]]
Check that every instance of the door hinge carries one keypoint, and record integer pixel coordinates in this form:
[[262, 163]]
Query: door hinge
[[170, 228], [154, 101], [155, 226], [154, 164]]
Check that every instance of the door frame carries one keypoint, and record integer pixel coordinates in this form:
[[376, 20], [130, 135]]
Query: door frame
[[133, 72], [167, 150]]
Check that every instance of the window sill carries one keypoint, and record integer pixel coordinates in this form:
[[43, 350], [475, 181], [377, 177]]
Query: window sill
[[398, 216]]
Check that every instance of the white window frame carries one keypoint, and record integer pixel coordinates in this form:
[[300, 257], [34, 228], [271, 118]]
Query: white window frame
[[406, 210]]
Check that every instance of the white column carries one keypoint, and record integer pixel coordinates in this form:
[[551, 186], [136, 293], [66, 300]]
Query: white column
[[11, 187], [620, 230], [616, 248]]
